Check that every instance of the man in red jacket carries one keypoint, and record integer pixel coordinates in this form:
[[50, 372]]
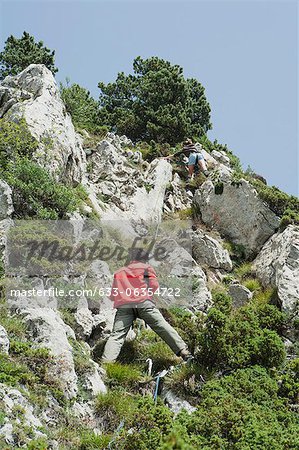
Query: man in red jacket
[[132, 293]]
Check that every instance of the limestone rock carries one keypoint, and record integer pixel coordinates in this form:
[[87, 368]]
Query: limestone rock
[[277, 266], [176, 197], [175, 403], [4, 340], [221, 157], [6, 206], [208, 251], [85, 411], [93, 381], [128, 192], [47, 329], [190, 277], [240, 294], [34, 95], [10, 398], [84, 323], [238, 214]]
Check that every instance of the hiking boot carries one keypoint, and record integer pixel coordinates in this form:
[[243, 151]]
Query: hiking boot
[[186, 355]]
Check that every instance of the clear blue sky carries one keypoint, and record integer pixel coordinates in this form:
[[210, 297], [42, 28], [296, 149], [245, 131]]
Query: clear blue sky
[[244, 53]]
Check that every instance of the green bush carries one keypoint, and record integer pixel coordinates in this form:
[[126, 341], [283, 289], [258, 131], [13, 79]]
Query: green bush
[[236, 339], [13, 373], [81, 106], [149, 424], [92, 441], [289, 382], [242, 411], [37, 194], [15, 140], [252, 284], [153, 150], [284, 205]]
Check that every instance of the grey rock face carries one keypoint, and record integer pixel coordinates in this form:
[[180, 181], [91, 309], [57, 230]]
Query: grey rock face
[[6, 206], [221, 157], [240, 294], [130, 193], [177, 198], [208, 251], [175, 403], [47, 329], [11, 398], [277, 265], [190, 275], [34, 95], [93, 380], [4, 340], [238, 214]]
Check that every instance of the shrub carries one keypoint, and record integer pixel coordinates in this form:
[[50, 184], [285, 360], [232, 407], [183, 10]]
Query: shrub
[[237, 252], [15, 140], [236, 339], [241, 411], [149, 424], [37, 194], [13, 373], [92, 441], [151, 150], [289, 382], [244, 270], [284, 205]]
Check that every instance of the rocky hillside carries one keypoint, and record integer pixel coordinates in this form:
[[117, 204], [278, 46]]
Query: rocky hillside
[[240, 319]]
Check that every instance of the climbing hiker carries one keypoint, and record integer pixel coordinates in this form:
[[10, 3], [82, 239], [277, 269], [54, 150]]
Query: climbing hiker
[[196, 161], [132, 293]]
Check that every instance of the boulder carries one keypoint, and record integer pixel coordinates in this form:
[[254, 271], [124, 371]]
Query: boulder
[[93, 380], [237, 213], [47, 329], [208, 251], [83, 323], [221, 157], [10, 399], [277, 266], [4, 340], [33, 94], [188, 277], [240, 294], [175, 403]]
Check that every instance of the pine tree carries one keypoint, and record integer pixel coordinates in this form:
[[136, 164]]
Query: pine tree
[[20, 53], [155, 103]]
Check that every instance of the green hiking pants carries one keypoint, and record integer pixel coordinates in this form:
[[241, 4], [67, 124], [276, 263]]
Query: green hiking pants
[[124, 319]]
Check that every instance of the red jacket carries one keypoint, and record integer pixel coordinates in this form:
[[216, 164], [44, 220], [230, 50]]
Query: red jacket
[[131, 283]]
